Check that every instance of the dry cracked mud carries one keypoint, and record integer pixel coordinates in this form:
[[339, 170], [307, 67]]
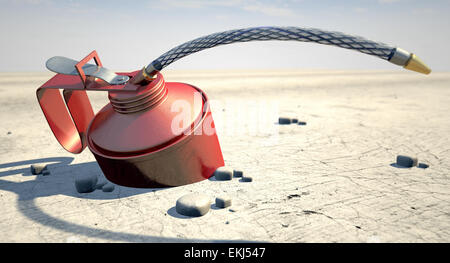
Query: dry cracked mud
[[328, 181]]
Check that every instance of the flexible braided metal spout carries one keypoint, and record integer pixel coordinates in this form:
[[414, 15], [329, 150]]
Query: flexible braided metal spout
[[392, 54]]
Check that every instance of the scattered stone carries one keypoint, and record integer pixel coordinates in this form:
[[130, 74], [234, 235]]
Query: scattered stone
[[423, 165], [37, 168], [284, 225], [193, 204], [227, 222], [237, 173], [246, 179], [284, 121], [223, 201], [108, 187], [86, 183], [9, 133], [406, 161], [301, 123], [223, 173], [358, 227], [232, 210], [294, 120]]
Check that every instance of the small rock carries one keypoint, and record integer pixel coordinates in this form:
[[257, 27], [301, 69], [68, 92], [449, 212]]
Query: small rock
[[86, 183], [108, 188], [37, 168], [246, 179], [283, 120], [423, 165], [223, 201], [294, 120], [301, 123], [237, 173], [223, 173], [45, 172], [193, 204], [9, 133], [406, 161]]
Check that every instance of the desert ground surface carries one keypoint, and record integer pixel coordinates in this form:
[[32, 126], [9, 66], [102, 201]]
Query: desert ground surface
[[332, 180]]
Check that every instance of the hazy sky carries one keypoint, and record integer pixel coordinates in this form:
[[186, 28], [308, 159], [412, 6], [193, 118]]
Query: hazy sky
[[130, 34]]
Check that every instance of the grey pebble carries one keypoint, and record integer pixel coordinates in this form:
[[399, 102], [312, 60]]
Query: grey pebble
[[86, 183], [283, 120], [406, 161], [246, 179], [108, 187], [193, 204], [37, 168], [223, 173], [223, 201], [423, 165], [9, 133], [237, 173], [301, 123], [294, 120]]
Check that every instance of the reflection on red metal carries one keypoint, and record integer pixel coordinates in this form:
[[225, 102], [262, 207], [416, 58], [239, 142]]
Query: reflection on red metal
[[132, 137]]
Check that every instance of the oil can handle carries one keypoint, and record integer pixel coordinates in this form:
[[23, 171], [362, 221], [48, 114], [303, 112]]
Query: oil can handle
[[68, 117]]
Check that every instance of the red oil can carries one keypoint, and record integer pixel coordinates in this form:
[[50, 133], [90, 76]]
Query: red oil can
[[133, 137]]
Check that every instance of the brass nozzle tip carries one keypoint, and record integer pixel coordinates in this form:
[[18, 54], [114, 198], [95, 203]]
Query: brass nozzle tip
[[415, 64]]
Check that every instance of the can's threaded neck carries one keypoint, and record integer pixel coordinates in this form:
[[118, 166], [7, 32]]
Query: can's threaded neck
[[145, 98]]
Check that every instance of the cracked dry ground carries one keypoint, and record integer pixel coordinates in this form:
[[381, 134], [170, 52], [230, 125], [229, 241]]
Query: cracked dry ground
[[328, 181]]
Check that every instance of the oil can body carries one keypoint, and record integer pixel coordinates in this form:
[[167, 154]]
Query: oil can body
[[149, 152]]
